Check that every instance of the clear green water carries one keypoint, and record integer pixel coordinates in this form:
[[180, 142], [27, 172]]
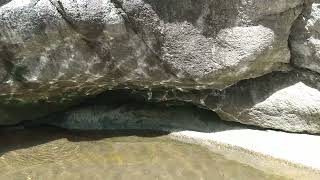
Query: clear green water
[[57, 154]]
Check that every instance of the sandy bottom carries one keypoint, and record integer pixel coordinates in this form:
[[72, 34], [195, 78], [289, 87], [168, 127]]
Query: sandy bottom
[[272, 151], [133, 155], [269, 153], [199, 126]]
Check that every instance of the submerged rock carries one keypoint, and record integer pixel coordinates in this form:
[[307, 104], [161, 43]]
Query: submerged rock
[[135, 116]]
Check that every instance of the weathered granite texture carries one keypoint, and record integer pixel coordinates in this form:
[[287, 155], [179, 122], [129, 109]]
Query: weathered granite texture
[[305, 37], [222, 55]]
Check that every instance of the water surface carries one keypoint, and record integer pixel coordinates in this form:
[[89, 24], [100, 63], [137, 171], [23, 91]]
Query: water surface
[[49, 153]]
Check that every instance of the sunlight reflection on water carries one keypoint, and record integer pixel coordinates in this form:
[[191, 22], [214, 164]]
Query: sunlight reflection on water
[[50, 154]]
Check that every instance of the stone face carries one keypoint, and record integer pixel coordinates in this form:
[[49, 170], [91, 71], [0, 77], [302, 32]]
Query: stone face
[[222, 55], [215, 42], [211, 44], [305, 37], [54, 53], [64, 39], [281, 100], [287, 101], [78, 41]]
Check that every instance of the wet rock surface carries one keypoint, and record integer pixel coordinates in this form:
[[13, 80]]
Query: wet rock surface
[[231, 57], [282, 100]]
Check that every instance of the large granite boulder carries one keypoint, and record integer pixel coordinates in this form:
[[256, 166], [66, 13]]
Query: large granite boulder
[[305, 37], [222, 55], [215, 42], [55, 53], [288, 101], [178, 43]]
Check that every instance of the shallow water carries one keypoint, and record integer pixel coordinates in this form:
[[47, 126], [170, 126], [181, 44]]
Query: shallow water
[[48, 153]]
